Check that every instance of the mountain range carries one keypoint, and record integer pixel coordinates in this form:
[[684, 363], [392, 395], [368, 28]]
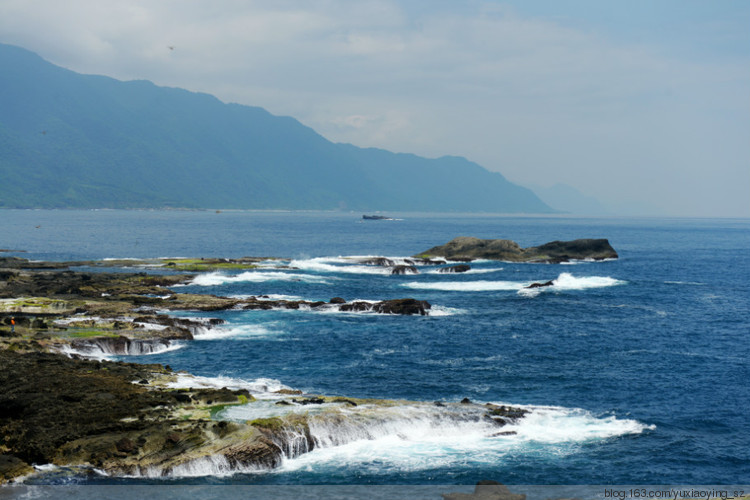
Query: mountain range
[[69, 140]]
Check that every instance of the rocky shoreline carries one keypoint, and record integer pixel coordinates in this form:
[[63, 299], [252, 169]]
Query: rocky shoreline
[[57, 407]]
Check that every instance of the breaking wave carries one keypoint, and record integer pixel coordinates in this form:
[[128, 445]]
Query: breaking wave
[[239, 331], [260, 387], [419, 437], [416, 436], [563, 282], [216, 279]]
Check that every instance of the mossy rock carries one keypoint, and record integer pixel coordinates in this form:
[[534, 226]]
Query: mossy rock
[[271, 423]]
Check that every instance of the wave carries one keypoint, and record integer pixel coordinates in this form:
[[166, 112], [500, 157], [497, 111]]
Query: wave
[[338, 265], [439, 311], [405, 437], [239, 331], [425, 436], [470, 271], [106, 349], [261, 388], [574, 262], [567, 281], [268, 296], [563, 282], [216, 279]]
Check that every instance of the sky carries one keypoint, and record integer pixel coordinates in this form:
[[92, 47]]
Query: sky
[[643, 104]]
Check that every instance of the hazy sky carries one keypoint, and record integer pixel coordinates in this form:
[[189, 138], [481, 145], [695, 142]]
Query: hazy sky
[[644, 104]]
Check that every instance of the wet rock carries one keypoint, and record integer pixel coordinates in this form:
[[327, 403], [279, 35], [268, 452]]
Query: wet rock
[[404, 270], [459, 268], [402, 306], [541, 285], [345, 401], [337, 300], [309, 401]]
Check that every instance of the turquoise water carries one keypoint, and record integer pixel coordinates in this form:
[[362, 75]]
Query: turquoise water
[[636, 369]]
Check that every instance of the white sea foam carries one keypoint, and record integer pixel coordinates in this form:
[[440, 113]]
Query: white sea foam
[[238, 332], [567, 281], [406, 437], [439, 311], [425, 437], [473, 270], [337, 265], [260, 388], [100, 352], [563, 282], [216, 279]]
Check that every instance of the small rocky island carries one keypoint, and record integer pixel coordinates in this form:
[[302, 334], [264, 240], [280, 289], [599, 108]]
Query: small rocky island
[[58, 407], [466, 248]]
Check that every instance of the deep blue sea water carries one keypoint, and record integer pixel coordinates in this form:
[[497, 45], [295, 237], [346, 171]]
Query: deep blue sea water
[[637, 369]]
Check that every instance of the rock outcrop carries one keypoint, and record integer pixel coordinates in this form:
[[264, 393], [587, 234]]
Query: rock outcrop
[[463, 248], [459, 268]]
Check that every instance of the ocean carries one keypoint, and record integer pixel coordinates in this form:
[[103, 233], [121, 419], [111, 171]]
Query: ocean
[[636, 370]]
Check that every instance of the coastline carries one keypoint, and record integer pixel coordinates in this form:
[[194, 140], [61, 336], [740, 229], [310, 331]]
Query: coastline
[[61, 407]]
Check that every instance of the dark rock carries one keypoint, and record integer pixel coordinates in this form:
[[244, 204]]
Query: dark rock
[[402, 306], [459, 268], [126, 445], [346, 401], [357, 306], [404, 270], [310, 401], [541, 285], [508, 412], [181, 397], [504, 433], [337, 300], [466, 401]]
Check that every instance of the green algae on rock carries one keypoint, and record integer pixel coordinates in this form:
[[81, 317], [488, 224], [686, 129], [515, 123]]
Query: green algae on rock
[[463, 248]]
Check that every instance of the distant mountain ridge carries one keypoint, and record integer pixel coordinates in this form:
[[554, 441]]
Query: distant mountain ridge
[[70, 140]]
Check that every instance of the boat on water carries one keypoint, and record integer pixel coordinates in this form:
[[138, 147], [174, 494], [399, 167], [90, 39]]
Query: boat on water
[[377, 217]]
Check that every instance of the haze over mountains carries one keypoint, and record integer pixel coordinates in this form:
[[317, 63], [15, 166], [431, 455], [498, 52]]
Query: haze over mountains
[[82, 141]]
